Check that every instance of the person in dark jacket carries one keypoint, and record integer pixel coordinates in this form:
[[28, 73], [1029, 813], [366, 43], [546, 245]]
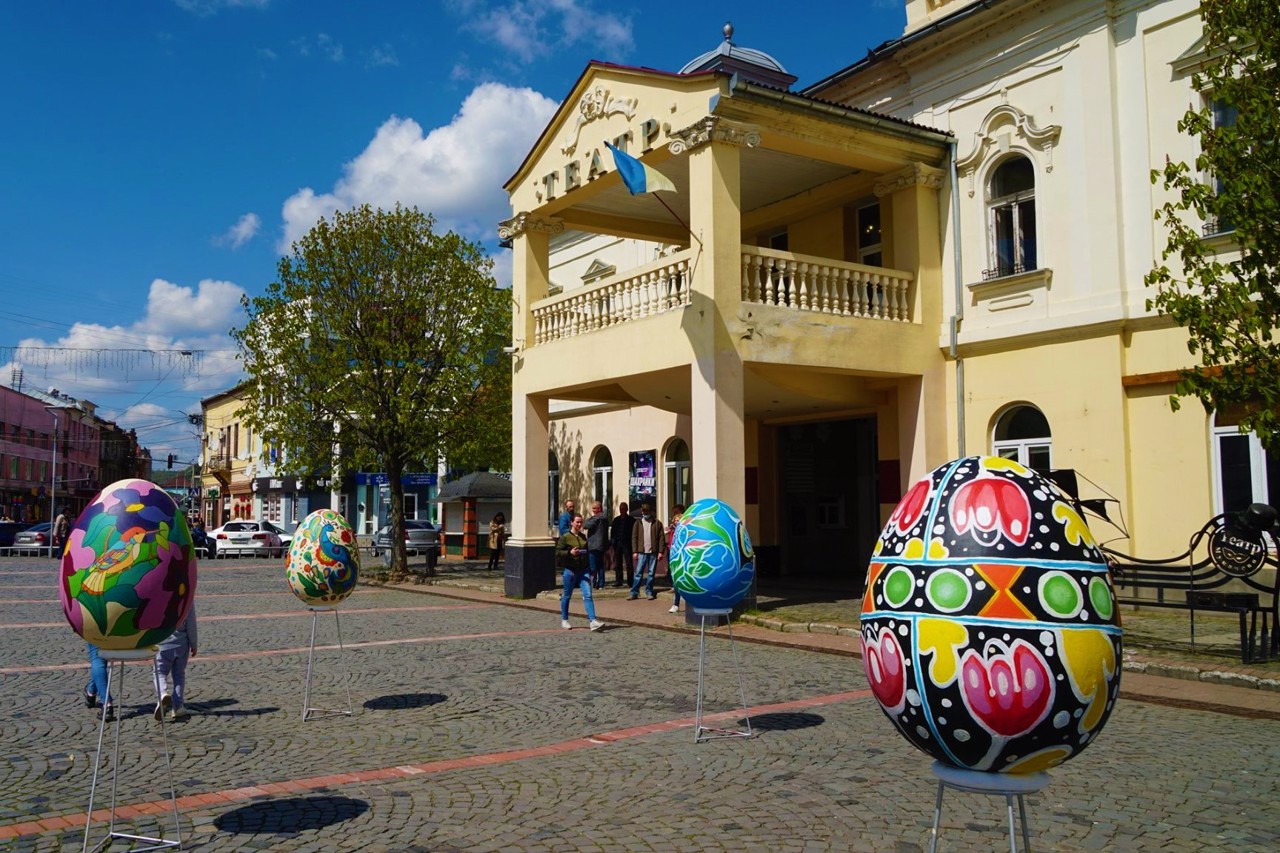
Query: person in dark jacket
[[620, 538], [597, 527]]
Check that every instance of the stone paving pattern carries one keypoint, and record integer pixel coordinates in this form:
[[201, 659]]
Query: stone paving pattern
[[484, 727]]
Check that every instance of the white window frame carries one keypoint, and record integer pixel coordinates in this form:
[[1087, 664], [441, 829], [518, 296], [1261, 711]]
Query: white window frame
[[602, 479], [1257, 466], [678, 475], [1020, 449], [1013, 202]]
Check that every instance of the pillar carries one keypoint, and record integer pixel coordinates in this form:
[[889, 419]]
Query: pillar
[[530, 559], [715, 219]]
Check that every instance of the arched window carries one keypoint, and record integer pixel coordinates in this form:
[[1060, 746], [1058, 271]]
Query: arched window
[[679, 474], [602, 477], [1022, 434], [553, 488], [1011, 217]]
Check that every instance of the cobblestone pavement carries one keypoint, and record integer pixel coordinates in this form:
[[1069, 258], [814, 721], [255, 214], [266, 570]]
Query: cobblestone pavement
[[488, 728]]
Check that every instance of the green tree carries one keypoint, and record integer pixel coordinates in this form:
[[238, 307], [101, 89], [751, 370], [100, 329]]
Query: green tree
[[379, 347], [1225, 291]]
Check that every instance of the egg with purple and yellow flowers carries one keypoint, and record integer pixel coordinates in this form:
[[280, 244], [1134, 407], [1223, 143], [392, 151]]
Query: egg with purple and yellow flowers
[[128, 572], [990, 632], [711, 560], [323, 562]]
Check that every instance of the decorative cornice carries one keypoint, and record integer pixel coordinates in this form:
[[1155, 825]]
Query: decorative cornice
[[713, 129], [525, 221], [996, 130], [917, 174], [598, 103]]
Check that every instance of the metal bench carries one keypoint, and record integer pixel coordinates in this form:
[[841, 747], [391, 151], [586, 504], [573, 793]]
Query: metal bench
[[1230, 566]]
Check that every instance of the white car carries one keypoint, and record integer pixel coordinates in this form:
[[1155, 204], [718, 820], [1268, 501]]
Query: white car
[[250, 536]]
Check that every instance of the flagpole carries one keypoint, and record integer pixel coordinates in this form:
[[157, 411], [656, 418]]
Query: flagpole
[[676, 216]]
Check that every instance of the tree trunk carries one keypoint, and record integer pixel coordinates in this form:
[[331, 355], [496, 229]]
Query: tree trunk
[[395, 517]]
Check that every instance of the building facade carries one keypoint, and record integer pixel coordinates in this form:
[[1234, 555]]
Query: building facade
[[936, 251]]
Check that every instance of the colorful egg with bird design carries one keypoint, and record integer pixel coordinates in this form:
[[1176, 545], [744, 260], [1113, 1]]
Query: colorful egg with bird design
[[990, 632], [128, 572], [323, 562], [711, 560]]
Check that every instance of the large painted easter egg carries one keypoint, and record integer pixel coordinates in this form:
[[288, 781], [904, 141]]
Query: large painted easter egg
[[990, 633], [324, 562], [129, 571], [711, 560]]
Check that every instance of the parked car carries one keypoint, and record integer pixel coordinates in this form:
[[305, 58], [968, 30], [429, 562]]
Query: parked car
[[10, 529], [34, 540], [260, 538], [420, 537]]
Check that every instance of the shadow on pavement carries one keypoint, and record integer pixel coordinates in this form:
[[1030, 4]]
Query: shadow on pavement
[[285, 817], [400, 701], [782, 722]]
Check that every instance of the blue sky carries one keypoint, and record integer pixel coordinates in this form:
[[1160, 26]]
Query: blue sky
[[160, 155]]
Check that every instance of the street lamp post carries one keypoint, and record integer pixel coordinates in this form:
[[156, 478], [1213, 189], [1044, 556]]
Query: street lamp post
[[53, 477]]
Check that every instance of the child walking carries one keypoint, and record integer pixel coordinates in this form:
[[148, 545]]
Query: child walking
[[171, 660]]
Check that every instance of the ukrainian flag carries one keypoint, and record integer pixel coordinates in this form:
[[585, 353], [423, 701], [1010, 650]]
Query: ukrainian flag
[[638, 177]]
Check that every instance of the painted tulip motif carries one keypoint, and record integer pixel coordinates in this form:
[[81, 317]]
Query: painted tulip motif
[[911, 507], [988, 508], [882, 658], [1008, 692]]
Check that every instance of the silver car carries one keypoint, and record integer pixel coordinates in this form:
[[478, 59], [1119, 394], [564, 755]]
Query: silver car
[[420, 537], [257, 538]]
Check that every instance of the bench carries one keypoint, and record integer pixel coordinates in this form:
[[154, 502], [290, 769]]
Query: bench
[[1235, 550]]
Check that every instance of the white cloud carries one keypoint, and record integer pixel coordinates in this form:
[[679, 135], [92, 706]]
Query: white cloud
[[135, 373], [530, 29], [324, 45], [245, 229], [455, 172], [382, 56]]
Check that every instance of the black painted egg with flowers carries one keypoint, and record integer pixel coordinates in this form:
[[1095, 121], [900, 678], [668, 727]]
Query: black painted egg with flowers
[[990, 633]]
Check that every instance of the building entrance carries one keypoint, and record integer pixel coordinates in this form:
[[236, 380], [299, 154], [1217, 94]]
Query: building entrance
[[828, 500]]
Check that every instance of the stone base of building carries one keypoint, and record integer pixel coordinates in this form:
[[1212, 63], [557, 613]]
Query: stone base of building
[[530, 568]]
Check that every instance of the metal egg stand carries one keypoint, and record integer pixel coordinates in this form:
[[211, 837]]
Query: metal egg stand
[[1007, 785], [307, 710], [117, 660], [702, 733]]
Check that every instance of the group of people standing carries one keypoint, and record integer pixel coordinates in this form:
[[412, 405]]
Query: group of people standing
[[585, 545]]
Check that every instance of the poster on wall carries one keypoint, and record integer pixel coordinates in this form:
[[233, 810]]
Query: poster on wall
[[643, 485]]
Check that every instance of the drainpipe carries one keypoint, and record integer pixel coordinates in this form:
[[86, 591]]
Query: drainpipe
[[957, 317]]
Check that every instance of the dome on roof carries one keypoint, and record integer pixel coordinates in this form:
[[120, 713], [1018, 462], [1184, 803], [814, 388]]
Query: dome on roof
[[755, 66]]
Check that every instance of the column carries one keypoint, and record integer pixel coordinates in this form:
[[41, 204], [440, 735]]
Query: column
[[910, 199], [530, 553], [715, 218]]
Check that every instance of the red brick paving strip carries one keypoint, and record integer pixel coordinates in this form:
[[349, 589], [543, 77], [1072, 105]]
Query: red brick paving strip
[[403, 771]]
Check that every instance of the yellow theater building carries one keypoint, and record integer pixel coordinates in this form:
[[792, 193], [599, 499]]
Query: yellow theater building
[[936, 251]]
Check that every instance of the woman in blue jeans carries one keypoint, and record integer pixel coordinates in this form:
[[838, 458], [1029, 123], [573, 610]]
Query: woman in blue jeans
[[96, 689], [571, 557]]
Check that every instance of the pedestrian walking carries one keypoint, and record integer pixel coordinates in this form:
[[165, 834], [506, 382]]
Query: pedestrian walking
[[96, 690], [571, 557], [497, 537], [648, 542], [597, 527], [59, 532], [676, 512], [171, 662], [620, 538]]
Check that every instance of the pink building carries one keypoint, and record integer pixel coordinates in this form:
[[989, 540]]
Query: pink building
[[28, 446]]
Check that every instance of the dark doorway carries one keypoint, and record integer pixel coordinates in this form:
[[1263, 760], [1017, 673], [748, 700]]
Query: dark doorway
[[830, 511]]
